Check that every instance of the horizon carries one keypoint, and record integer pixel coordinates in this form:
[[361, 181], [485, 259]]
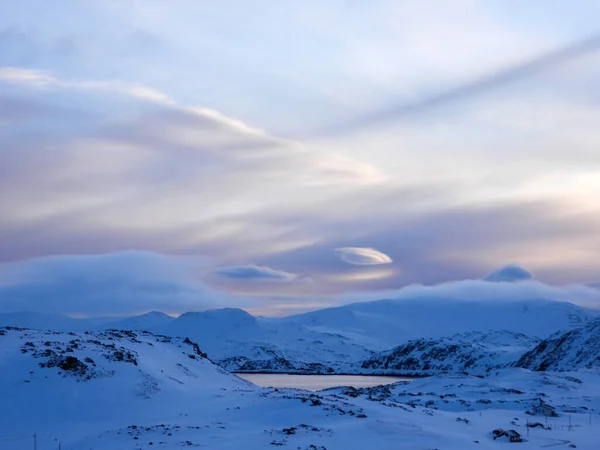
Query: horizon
[[282, 159]]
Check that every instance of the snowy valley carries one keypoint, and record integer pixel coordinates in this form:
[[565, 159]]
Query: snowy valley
[[113, 390], [155, 381]]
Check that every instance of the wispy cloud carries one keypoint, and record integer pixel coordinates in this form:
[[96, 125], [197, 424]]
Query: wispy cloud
[[474, 88], [251, 272]]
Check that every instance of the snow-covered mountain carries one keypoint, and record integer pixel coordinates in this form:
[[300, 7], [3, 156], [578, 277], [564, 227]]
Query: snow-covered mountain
[[146, 321], [474, 353], [577, 349], [241, 342], [388, 323], [339, 339]]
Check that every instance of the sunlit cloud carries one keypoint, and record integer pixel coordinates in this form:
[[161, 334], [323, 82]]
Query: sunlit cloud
[[362, 256]]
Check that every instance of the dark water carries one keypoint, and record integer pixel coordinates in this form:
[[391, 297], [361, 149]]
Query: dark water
[[316, 382]]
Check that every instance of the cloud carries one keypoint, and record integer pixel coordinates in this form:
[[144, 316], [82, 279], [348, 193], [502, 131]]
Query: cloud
[[134, 150], [509, 274], [362, 256], [128, 283], [251, 272], [548, 61], [482, 291], [114, 284], [197, 165]]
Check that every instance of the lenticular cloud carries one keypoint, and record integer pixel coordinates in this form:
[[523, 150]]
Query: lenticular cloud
[[362, 256], [510, 274]]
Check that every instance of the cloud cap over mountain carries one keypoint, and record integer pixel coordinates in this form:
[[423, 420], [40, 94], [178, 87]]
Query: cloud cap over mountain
[[510, 273]]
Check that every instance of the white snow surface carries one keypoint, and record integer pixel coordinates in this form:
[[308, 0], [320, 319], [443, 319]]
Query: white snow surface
[[145, 391]]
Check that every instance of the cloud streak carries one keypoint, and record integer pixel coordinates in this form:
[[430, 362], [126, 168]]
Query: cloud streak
[[474, 88], [251, 272]]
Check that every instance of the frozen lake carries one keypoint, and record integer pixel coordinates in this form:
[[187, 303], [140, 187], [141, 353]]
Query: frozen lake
[[317, 382]]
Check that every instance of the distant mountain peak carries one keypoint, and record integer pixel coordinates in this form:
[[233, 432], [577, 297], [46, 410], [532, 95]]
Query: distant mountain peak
[[510, 273], [220, 313]]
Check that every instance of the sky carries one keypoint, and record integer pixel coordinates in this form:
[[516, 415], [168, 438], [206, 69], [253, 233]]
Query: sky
[[285, 156]]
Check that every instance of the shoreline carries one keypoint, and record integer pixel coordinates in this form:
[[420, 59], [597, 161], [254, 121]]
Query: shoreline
[[410, 376]]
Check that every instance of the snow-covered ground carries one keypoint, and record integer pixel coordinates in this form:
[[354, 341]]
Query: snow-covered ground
[[121, 390]]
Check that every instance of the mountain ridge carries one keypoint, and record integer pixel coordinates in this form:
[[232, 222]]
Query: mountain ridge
[[340, 339]]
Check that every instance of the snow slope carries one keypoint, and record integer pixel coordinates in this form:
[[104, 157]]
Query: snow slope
[[474, 353], [118, 390], [43, 368], [577, 349]]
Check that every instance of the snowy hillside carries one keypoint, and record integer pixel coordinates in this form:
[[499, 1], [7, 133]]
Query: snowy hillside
[[40, 369], [118, 390], [474, 353], [577, 349], [50, 379]]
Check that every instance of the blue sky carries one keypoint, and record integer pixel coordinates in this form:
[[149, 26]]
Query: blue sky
[[249, 138]]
